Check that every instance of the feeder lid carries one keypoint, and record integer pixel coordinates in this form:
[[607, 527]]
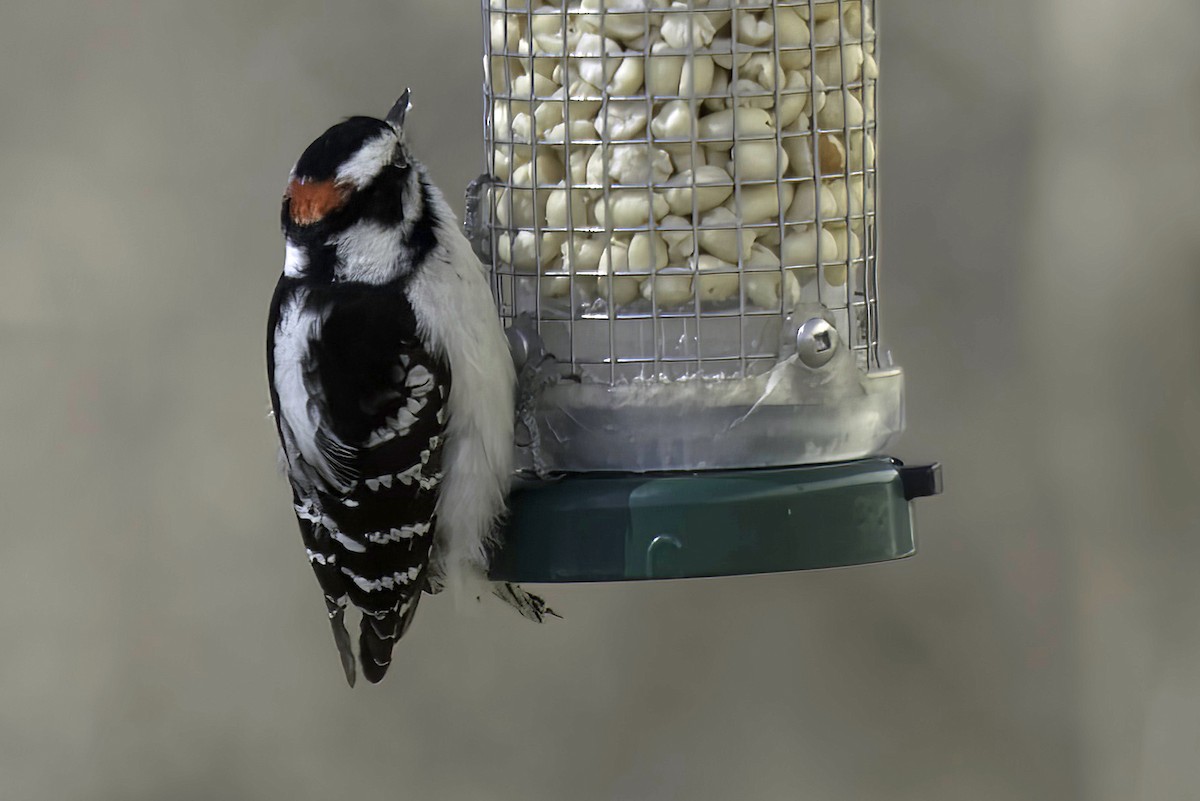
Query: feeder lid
[[627, 526]]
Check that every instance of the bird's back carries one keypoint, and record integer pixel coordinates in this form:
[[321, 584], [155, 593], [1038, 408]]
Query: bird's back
[[369, 386]]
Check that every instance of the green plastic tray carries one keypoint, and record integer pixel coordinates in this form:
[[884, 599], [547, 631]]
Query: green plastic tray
[[622, 527]]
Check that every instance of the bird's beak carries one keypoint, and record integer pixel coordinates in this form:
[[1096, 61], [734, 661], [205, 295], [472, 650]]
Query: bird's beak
[[395, 117]]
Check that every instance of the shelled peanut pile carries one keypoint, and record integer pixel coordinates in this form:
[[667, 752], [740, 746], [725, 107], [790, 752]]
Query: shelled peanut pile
[[666, 154]]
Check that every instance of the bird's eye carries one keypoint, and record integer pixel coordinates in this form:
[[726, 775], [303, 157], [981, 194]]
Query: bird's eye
[[399, 156]]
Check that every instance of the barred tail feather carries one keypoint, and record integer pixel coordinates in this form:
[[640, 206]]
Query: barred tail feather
[[378, 636], [337, 620]]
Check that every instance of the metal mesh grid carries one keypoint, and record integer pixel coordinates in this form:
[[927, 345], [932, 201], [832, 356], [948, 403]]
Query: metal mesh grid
[[673, 184]]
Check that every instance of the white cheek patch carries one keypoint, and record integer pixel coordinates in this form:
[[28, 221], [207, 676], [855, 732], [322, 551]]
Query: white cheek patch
[[375, 154], [295, 260], [370, 252]]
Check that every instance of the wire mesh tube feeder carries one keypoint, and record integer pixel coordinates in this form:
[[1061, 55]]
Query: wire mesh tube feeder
[[680, 213]]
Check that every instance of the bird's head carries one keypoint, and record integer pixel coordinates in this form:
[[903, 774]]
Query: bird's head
[[354, 171]]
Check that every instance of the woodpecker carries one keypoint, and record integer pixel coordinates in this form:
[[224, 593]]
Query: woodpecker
[[392, 387]]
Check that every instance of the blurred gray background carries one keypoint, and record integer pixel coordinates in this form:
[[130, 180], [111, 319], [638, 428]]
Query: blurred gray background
[[164, 639]]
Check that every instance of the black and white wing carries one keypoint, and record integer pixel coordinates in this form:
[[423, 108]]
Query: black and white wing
[[361, 407]]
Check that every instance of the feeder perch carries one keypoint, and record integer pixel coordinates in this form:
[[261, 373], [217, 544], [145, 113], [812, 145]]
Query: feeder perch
[[680, 215]]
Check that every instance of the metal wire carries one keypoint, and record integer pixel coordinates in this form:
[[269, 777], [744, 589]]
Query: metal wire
[[605, 303]]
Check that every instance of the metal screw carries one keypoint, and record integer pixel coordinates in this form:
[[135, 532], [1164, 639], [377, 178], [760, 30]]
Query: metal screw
[[521, 344], [816, 342]]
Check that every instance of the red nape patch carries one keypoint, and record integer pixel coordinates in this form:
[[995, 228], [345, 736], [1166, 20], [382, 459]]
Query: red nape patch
[[312, 200]]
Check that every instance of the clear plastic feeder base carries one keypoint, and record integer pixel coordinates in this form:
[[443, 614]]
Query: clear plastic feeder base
[[794, 411], [722, 424], [622, 527]]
